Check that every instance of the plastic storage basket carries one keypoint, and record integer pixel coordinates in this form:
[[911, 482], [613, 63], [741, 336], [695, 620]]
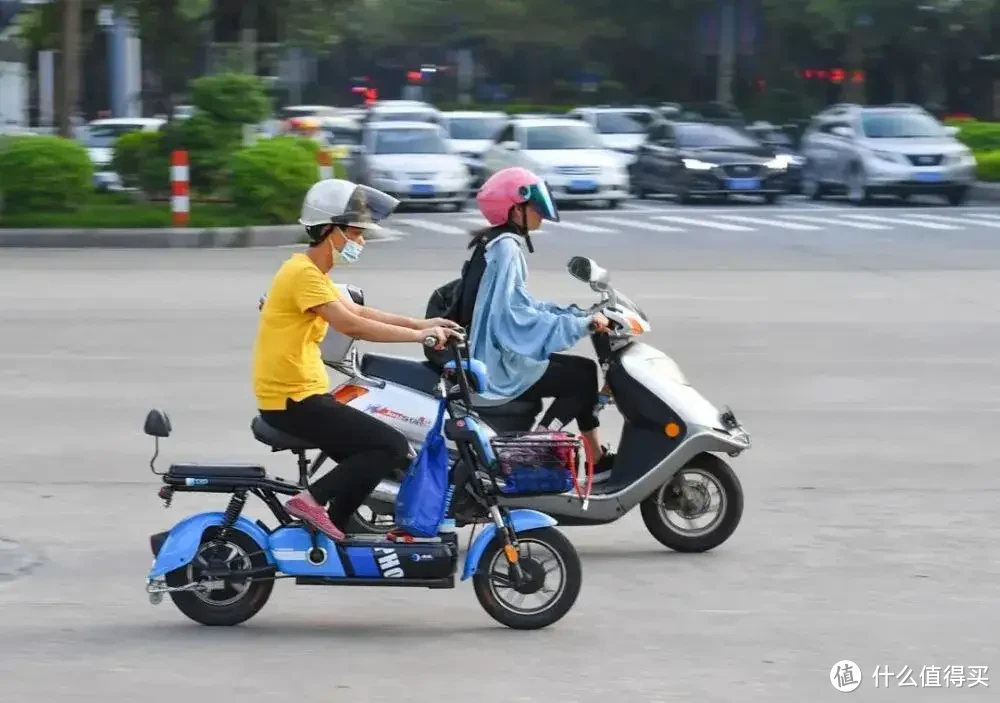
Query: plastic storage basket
[[536, 463]]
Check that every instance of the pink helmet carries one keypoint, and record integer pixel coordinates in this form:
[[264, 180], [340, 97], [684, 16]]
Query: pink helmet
[[510, 187]]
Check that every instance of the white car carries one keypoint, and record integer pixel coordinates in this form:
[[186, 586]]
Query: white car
[[413, 162], [403, 111], [99, 139], [622, 129], [471, 134], [567, 153]]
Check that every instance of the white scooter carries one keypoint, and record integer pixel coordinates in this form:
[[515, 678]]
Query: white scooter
[[667, 461]]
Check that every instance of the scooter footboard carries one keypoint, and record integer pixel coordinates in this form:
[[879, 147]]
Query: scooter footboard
[[183, 540], [521, 520]]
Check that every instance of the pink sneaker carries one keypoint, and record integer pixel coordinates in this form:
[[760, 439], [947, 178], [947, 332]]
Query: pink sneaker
[[315, 516]]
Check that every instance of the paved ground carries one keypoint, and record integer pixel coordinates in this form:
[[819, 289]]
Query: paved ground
[[863, 360]]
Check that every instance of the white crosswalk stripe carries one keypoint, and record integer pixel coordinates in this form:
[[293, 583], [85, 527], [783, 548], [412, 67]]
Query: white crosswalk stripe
[[834, 223], [954, 218], [430, 225], [651, 226], [704, 223], [579, 226], [901, 221], [769, 223]]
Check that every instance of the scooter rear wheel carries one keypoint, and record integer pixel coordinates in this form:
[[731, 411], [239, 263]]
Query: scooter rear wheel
[[536, 549], [235, 601], [659, 508]]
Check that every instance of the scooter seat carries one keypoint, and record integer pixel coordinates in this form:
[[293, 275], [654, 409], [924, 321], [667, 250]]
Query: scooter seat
[[418, 375], [215, 471], [492, 408], [276, 439]]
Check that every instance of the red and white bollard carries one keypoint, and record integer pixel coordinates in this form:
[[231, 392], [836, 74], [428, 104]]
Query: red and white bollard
[[325, 162], [180, 200]]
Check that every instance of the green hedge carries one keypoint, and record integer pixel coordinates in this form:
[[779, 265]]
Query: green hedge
[[140, 161], [271, 178], [988, 165], [45, 174], [979, 136]]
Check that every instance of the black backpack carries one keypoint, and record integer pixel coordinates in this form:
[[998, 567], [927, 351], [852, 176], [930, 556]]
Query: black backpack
[[456, 300]]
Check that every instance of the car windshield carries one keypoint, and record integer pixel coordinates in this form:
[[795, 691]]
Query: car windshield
[[408, 141], [561, 137], [899, 125], [618, 123], [707, 136], [481, 128], [103, 136], [337, 135]]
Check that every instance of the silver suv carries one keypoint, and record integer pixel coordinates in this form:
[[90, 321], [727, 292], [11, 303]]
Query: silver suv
[[886, 150]]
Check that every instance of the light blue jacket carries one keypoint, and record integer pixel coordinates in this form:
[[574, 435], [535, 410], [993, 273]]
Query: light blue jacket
[[511, 332]]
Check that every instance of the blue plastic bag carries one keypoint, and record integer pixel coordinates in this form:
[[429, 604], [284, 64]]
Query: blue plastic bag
[[424, 494]]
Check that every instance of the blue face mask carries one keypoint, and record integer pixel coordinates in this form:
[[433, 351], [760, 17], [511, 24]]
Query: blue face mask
[[350, 253]]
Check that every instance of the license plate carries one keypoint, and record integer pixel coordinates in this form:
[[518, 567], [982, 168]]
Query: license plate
[[929, 176], [744, 183], [421, 189], [582, 186]]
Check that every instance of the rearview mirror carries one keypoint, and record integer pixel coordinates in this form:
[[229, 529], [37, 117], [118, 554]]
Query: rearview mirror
[[157, 424], [511, 146], [587, 270]]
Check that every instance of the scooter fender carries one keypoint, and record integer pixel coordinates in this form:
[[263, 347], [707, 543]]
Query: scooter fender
[[521, 519], [182, 543]]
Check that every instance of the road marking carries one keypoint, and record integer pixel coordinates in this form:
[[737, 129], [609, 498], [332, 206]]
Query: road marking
[[705, 223], [834, 223], [901, 221], [652, 226], [578, 226], [953, 218], [430, 225], [768, 223], [476, 222]]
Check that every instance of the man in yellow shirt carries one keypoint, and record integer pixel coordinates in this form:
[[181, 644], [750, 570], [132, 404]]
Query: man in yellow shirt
[[289, 378]]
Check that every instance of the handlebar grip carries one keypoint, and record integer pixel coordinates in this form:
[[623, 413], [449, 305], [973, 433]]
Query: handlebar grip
[[430, 342]]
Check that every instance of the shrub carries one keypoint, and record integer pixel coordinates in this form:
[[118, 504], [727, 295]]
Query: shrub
[[988, 165], [135, 153], [44, 173], [979, 136], [210, 144], [270, 178], [231, 97]]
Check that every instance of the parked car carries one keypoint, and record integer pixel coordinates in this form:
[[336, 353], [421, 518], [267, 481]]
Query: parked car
[[99, 138], [567, 153], [699, 159], [622, 129], [784, 147], [411, 161], [898, 150], [471, 134]]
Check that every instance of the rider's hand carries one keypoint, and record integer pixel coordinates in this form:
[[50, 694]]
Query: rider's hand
[[443, 334], [599, 323], [441, 322]]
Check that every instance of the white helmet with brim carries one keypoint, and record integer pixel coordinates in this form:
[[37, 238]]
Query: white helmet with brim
[[339, 202]]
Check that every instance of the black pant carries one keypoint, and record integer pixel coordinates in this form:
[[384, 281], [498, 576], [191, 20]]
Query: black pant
[[366, 450], [572, 382]]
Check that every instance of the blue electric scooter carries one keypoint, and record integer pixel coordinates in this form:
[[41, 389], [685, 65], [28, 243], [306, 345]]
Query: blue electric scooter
[[219, 568]]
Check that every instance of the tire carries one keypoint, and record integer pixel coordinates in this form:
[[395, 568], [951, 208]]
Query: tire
[[572, 577], [614, 204], [722, 528], [771, 198], [249, 604], [811, 187], [379, 523], [957, 196], [858, 192]]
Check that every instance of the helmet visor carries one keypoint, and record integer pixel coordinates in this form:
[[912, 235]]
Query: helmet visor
[[367, 207], [541, 200]]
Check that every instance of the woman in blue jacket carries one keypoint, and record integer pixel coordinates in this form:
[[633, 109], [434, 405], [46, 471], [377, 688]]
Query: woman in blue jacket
[[520, 338]]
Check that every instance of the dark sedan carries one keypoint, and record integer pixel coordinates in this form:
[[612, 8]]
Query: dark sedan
[[697, 159]]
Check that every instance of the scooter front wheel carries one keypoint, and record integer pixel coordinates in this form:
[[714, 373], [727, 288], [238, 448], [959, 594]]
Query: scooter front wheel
[[706, 490], [553, 576], [222, 602]]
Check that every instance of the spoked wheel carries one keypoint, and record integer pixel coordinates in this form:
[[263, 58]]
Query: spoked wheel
[[221, 602], [553, 578], [371, 521], [698, 509]]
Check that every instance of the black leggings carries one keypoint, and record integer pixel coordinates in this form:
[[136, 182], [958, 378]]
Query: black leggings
[[572, 382], [366, 450]]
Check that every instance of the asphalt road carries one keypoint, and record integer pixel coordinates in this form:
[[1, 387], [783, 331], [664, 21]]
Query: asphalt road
[[862, 360]]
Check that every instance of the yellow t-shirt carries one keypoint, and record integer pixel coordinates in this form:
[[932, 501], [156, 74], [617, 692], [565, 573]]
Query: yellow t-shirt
[[286, 355]]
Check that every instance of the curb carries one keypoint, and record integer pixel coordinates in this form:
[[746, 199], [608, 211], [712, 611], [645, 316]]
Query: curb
[[158, 238]]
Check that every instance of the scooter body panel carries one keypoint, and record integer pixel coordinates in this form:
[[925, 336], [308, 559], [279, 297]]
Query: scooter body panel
[[182, 543], [521, 520]]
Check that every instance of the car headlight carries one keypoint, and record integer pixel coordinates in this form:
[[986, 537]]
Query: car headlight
[[959, 157], [778, 163], [697, 165], [380, 173], [889, 156]]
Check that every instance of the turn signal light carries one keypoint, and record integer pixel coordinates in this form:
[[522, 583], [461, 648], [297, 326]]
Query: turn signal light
[[672, 429], [511, 553], [345, 394]]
